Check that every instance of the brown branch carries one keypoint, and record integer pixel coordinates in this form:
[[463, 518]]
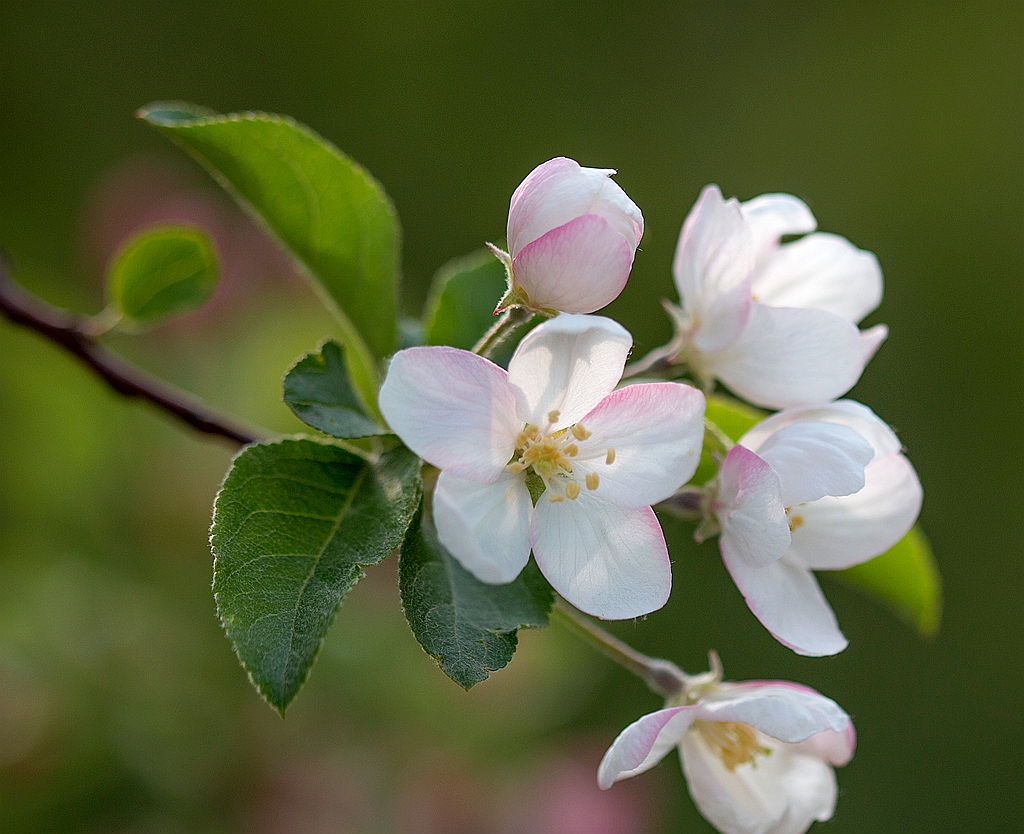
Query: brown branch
[[67, 330]]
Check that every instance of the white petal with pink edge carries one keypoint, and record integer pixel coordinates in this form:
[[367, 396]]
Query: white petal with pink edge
[[785, 711], [454, 409], [749, 510], [578, 267], [567, 364], [485, 526], [822, 271], [787, 356], [607, 561], [840, 532], [817, 459], [645, 442], [787, 600], [712, 267], [643, 744]]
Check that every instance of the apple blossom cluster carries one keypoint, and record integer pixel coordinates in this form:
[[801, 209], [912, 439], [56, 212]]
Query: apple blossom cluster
[[565, 453]]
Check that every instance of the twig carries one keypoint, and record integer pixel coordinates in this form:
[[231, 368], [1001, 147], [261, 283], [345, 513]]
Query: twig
[[70, 332]]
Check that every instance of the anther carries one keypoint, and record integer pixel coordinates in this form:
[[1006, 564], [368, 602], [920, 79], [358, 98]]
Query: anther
[[593, 479], [554, 499], [571, 450], [572, 490], [579, 432], [515, 468], [554, 415], [796, 522], [610, 457]]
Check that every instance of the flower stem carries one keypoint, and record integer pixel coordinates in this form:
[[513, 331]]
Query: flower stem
[[502, 329], [662, 676]]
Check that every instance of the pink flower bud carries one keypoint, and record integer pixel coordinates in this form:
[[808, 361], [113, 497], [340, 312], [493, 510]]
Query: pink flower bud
[[572, 233]]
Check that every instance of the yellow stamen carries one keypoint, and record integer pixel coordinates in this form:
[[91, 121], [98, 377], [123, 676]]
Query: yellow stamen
[[571, 450], [554, 499], [515, 468], [572, 490], [554, 415], [593, 479], [579, 432], [735, 743], [795, 522], [610, 457]]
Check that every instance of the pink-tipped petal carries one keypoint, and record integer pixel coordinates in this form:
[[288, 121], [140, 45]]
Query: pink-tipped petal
[[840, 532], [770, 216], [485, 526], [568, 364], [561, 190], [779, 709], [453, 409], [578, 267], [787, 356], [608, 561], [750, 511], [831, 746], [654, 431], [712, 267], [817, 459], [787, 600], [822, 271], [643, 744]]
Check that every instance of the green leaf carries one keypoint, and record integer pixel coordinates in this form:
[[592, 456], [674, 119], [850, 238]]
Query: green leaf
[[468, 627], [326, 210], [906, 578], [292, 526], [161, 272], [463, 295], [319, 391], [734, 419]]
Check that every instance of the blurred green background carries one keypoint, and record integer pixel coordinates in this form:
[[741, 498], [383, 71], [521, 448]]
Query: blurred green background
[[122, 708]]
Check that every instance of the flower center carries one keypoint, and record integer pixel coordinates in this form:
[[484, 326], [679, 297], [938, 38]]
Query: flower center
[[734, 743], [551, 453]]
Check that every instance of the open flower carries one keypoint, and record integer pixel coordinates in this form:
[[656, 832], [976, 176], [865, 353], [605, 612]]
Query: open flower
[[572, 235], [775, 322], [758, 756], [813, 488], [596, 459]]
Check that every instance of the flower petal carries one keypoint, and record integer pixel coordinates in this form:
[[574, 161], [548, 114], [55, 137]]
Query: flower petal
[[560, 190], [713, 263], [749, 510], [831, 746], [817, 459], [784, 794], [786, 598], [608, 561], [485, 526], [653, 431], [770, 216], [849, 413], [823, 271], [840, 532], [568, 364], [578, 267], [643, 744], [783, 710], [453, 409], [787, 356]]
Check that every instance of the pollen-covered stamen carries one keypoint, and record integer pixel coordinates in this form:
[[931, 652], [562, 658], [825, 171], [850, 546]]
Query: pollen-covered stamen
[[550, 454], [734, 743], [795, 521], [609, 458]]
